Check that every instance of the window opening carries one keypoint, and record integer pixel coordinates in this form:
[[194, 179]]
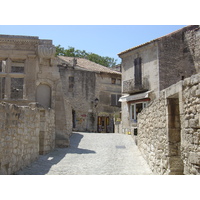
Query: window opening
[[16, 69], [2, 66], [71, 83], [17, 88], [113, 80], [2, 87], [115, 100], [136, 109]]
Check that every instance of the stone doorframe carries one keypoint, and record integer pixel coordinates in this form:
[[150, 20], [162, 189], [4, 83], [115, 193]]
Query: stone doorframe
[[174, 137]]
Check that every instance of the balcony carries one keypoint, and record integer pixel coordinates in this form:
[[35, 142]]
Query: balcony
[[131, 87]]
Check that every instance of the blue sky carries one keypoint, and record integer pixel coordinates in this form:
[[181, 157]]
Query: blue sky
[[105, 40]]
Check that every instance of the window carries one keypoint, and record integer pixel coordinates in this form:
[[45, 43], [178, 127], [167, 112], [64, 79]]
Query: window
[[17, 88], [2, 87], [2, 66], [115, 100], [12, 79], [71, 83], [113, 80], [135, 109]]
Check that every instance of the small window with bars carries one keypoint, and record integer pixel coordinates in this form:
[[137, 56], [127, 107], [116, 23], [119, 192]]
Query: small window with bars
[[17, 88]]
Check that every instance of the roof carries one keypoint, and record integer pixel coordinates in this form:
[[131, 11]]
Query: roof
[[165, 36], [88, 65]]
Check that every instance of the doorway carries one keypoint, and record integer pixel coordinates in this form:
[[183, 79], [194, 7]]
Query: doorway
[[74, 118], [174, 137], [103, 123]]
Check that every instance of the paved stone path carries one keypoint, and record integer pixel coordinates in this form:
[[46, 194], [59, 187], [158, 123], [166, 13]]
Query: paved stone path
[[92, 154]]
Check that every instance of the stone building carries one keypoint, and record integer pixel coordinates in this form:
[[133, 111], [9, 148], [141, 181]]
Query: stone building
[[35, 116], [93, 91], [169, 129], [151, 67]]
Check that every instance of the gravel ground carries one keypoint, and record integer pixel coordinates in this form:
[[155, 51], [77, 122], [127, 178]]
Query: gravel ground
[[92, 154]]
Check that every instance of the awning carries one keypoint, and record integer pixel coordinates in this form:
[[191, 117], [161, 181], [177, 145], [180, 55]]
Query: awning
[[127, 98]]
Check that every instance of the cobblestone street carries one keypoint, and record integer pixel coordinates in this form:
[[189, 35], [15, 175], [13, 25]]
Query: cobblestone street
[[92, 154]]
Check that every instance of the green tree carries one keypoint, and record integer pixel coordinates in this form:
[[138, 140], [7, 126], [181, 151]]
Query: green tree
[[72, 52]]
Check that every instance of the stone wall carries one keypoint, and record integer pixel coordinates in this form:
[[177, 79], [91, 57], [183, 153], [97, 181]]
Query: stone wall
[[19, 137], [177, 55], [24, 132], [169, 129], [191, 125], [152, 135], [47, 131]]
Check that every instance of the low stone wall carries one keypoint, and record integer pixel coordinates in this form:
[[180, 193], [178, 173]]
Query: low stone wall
[[191, 125], [47, 131], [19, 134], [152, 136], [169, 129], [24, 132]]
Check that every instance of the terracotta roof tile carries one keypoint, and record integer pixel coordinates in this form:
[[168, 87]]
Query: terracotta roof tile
[[88, 65]]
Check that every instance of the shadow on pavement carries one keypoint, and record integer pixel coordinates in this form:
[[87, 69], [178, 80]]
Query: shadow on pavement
[[45, 162]]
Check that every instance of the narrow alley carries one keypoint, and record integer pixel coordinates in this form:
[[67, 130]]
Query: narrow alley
[[92, 154]]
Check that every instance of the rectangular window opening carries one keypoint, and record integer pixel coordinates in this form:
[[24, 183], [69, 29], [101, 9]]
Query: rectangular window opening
[[2, 66], [113, 80], [71, 83], [2, 87], [136, 109], [17, 88], [17, 69], [115, 100]]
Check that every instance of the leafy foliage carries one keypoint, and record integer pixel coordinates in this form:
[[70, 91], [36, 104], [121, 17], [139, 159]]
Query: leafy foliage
[[72, 52]]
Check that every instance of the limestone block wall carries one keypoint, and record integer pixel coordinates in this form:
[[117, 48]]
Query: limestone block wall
[[47, 131], [179, 50], [152, 135], [19, 137], [25, 132], [169, 129], [191, 125]]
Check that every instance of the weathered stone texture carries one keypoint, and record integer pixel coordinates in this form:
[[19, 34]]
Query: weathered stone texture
[[178, 56], [191, 125], [81, 86], [20, 132], [169, 129], [152, 137], [19, 137]]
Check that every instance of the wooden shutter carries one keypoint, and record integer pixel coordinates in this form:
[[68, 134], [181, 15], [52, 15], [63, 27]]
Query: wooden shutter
[[113, 99], [138, 71], [118, 103]]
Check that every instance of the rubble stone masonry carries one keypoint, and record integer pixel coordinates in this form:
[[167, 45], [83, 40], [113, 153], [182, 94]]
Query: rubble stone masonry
[[152, 135], [169, 129], [191, 125], [21, 135]]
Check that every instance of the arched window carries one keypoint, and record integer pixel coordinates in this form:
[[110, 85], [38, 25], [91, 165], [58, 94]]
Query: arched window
[[43, 95]]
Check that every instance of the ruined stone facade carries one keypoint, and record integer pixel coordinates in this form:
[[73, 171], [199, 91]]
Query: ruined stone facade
[[25, 132], [93, 91], [35, 115], [42, 97], [151, 67], [169, 129]]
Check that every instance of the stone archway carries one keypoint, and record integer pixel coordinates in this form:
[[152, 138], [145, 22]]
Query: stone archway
[[43, 95]]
